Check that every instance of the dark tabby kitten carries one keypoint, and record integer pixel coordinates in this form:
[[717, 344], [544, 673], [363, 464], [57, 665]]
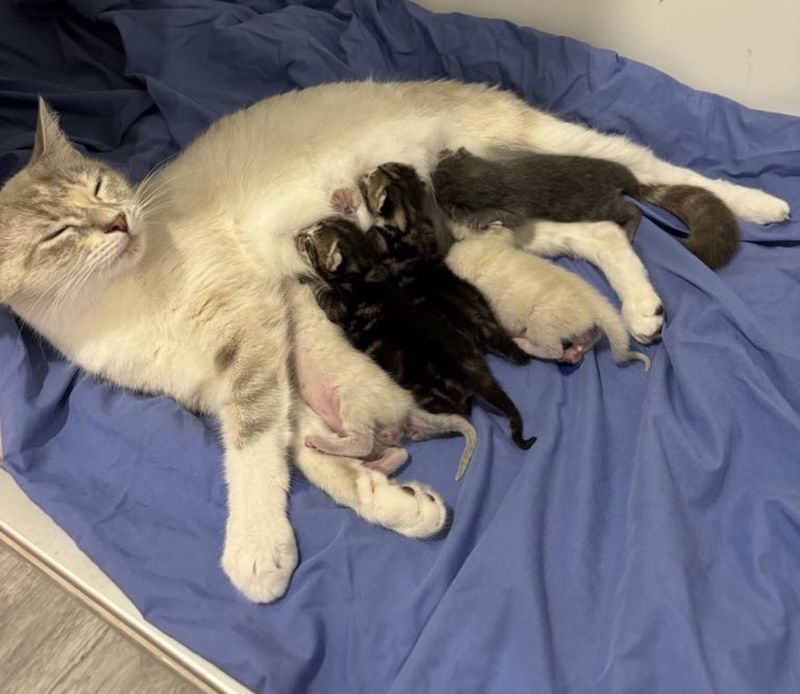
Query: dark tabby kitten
[[512, 191], [397, 301]]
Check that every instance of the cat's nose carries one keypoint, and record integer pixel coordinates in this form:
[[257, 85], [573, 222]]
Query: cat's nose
[[119, 224]]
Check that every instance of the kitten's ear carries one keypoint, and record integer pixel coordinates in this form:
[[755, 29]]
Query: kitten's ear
[[334, 258], [49, 138]]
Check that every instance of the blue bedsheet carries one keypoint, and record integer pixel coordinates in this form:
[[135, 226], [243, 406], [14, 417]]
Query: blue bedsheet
[[649, 542]]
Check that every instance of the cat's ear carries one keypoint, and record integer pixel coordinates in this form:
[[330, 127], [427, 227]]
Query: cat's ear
[[49, 137]]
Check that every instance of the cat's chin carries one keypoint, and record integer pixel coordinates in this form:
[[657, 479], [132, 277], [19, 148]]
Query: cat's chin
[[128, 255]]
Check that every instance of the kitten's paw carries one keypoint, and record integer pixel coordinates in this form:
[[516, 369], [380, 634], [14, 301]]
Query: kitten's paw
[[390, 460], [756, 205], [409, 508], [576, 348], [644, 318], [260, 559]]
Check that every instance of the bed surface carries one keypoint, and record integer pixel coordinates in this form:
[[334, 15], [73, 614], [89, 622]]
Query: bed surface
[[649, 541]]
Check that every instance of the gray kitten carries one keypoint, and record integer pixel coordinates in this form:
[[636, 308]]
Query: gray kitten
[[479, 192]]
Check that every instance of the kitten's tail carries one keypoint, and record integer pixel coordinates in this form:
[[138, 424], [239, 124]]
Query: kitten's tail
[[617, 335], [425, 424], [714, 231], [489, 390]]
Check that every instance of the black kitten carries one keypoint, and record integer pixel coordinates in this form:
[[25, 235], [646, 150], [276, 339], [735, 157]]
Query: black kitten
[[397, 301], [478, 192]]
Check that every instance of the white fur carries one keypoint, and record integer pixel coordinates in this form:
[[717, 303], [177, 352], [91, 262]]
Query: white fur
[[219, 244], [538, 303], [605, 245], [409, 508]]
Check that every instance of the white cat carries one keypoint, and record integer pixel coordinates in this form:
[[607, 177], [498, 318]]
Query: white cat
[[184, 294], [540, 304]]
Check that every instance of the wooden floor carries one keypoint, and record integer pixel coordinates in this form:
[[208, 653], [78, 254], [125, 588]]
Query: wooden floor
[[50, 642]]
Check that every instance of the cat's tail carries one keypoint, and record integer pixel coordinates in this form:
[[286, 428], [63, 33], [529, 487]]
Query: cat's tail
[[425, 424], [490, 390], [611, 324], [713, 229]]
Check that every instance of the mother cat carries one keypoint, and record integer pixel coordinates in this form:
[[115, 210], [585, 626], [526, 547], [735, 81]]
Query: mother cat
[[176, 287]]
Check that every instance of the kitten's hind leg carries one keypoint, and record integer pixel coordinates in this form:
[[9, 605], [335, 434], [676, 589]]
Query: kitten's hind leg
[[352, 445], [576, 348], [408, 508], [625, 214], [389, 461], [604, 244], [538, 350]]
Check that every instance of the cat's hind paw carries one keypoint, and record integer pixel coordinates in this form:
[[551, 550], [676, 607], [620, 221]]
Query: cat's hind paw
[[643, 317], [756, 205], [409, 508]]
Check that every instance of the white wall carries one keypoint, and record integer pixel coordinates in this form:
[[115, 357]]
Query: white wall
[[748, 50]]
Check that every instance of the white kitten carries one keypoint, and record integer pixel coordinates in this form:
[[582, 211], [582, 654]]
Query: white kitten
[[542, 305]]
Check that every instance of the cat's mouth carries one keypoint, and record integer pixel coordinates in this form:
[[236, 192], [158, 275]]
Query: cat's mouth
[[126, 243]]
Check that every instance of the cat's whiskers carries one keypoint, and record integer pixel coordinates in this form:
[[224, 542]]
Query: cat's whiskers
[[143, 195], [140, 187], [72, 285], [94, 264]]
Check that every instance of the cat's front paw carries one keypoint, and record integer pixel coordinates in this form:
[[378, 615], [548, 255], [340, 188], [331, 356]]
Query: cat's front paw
[[409, 508], [644, 318], [757, 206], [260, 559]]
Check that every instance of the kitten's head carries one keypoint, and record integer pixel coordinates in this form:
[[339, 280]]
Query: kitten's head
[[394, 194], [337, 250], [67, 222], [399, 200]]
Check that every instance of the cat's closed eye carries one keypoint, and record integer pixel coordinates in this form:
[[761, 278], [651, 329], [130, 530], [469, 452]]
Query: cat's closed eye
[[55, 234], [98, 186]]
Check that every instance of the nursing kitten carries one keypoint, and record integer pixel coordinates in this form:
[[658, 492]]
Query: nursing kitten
[[367, 415], [551, 312], [395, 299], [213, 232], [478, 192]]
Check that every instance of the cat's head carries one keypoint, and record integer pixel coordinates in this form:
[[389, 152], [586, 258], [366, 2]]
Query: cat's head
[[337, 250], [68, 223]]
